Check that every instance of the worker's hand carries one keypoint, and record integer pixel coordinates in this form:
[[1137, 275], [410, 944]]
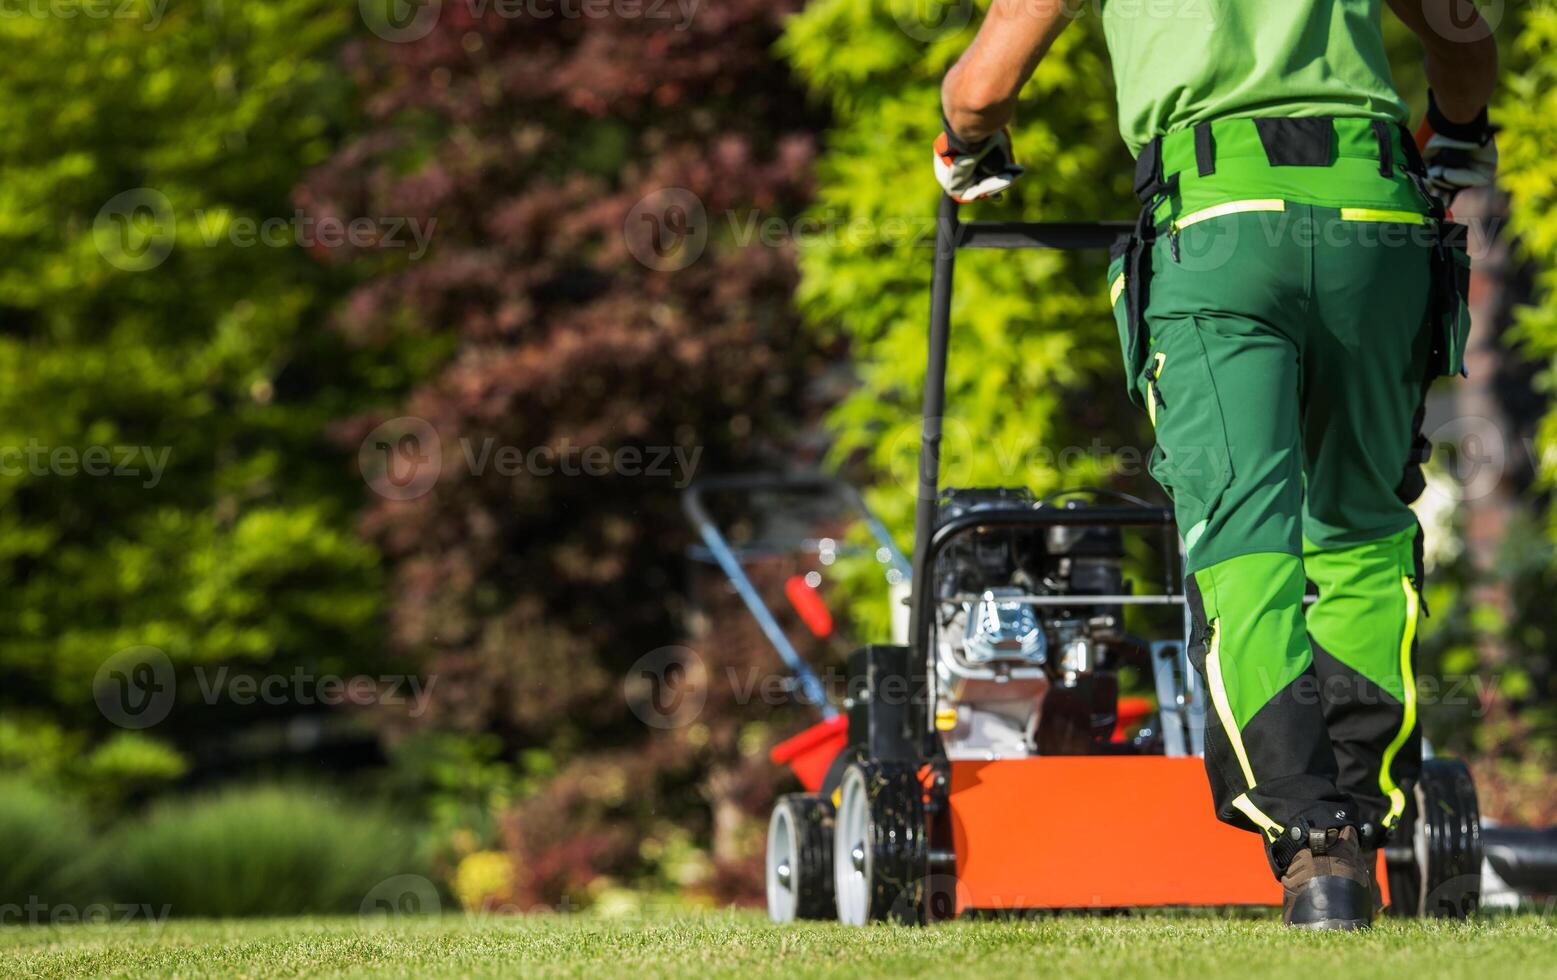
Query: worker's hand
[[1458, 155], [970, 171]]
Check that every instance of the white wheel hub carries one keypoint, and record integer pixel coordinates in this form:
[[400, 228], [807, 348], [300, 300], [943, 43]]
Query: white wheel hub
[[783, 846], [851, 858]]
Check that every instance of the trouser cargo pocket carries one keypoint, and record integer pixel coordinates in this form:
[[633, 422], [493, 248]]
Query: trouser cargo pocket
[[1451, 320], [1192, 459], [1128, 320]]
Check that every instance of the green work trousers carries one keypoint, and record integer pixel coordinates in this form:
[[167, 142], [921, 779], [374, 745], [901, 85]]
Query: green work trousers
[[1282, 353]]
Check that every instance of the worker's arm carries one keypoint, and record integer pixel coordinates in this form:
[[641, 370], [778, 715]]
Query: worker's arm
[[973, 157], [1461, 73], [1462, 70], [979, 93]]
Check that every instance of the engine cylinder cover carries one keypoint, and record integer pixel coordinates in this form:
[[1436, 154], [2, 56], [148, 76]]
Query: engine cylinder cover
[[1003, 630]]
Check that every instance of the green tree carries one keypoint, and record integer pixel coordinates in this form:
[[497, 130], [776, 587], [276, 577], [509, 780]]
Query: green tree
[[1033, 343], [166, 378], [1527, 114], [1526, 567]]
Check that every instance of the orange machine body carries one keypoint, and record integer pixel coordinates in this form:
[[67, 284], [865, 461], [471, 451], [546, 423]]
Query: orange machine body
[[1098, 832]]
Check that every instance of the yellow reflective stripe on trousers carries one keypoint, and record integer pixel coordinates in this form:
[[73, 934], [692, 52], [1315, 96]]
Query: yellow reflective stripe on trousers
[[1151, 393], [1258, 817], [1224, 709], [1397, 796], [1116, 289], [1376, 214], [1224, 713], [1231, 207]]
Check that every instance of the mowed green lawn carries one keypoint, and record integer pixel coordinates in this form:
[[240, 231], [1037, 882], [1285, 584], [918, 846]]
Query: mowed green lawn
[[744, 944]]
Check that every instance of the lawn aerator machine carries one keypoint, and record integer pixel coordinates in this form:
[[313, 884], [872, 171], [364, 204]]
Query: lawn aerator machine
[[985, 761]]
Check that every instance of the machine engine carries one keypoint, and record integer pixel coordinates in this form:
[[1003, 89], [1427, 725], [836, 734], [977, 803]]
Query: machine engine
[[1014, 677]]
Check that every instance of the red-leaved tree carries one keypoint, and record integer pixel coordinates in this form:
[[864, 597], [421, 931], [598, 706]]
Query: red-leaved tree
[[598, 330]]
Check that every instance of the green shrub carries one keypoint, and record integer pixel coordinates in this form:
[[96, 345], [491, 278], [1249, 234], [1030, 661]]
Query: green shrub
[[258, 851], [101, 776], [46, 845]]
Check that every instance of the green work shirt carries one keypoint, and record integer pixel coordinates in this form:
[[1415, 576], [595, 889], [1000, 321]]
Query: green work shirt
[[1182, 62]]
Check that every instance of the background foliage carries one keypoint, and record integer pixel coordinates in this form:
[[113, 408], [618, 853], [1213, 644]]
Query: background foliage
[[531, 595], [541, 155], [172, 334]]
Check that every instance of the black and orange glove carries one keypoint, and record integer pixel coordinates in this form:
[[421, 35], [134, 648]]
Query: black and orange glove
[[970, 171], [1458, 155]]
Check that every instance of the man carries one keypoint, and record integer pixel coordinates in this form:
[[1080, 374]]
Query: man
[[1288, 295]]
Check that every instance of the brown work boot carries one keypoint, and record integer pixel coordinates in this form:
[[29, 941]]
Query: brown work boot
[[1326, 885]]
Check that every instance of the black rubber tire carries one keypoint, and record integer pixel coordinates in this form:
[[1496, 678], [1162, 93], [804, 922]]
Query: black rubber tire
[[809, 820], [1434, 862], [896, 868]]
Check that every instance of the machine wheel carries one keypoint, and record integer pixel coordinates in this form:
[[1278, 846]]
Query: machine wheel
[[1434, 865], [880, 851], [800, 859]]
